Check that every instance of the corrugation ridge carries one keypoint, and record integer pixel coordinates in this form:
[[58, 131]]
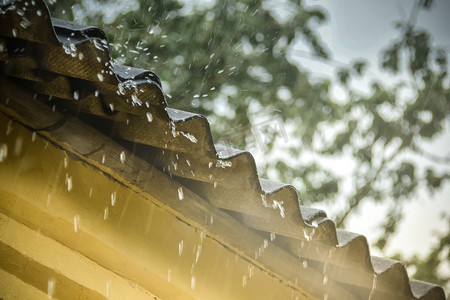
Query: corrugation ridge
[[379, 266]]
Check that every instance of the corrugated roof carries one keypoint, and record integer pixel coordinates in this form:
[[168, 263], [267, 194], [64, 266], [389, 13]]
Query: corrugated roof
[[71, 65]]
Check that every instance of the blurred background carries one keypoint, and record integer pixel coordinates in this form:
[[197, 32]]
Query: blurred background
[[346, 100]]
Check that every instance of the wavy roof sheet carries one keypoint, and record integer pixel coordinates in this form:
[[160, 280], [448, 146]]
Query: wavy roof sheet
[[71, 66]]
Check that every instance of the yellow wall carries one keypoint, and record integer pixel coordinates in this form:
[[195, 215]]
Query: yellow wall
[[61, 234]]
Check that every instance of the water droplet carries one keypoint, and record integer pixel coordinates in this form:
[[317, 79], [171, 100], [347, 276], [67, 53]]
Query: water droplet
[[103, 159], [374, 286], [263, 200], [180, 248], [223, 164], [9, 128], [190, 137], [66, 162], [180, 193], [69, 182], [273, 236], [100, 77], [210, 165], [305, 233], [215, 184], [33, 136], [113, 198], [169, 275], [76, 95], [50, 287], [97, 44], [244, 280], [265, 243], [136, 100], [106, 213], [3, 152], [149, 117], [122, 157], [305, 263], [279, 205], [39, 12], [193, 282], [325, 279], [76, 223]]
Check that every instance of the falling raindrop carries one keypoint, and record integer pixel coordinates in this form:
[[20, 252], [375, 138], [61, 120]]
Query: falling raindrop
[[374, 286], [108, 284], [305, 263], [106, 213], [18, 146], [244, 280], [9, 128], [305, 233], [263, 200], [190, 137], [100, 77], [136, 100], [273, 236], [180, 193], [180, 248], [122, 157], [76, 95], [103, 159], [69, 182], [47, 203], [3, 152], [279, 205], [193, 282], [76, 223], [325, 296], [113, 198], [222, 164], [199, 251], [149, 117], [50, 287], [33, 136], [169, 275], [325, 279]]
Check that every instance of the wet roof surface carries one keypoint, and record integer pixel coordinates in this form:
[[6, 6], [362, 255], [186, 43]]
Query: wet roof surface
[[70, 65]]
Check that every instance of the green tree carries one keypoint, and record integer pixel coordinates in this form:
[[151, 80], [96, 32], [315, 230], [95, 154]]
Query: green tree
[[229, 61]]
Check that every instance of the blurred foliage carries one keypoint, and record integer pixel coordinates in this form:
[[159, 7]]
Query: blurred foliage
[[230, 61]]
